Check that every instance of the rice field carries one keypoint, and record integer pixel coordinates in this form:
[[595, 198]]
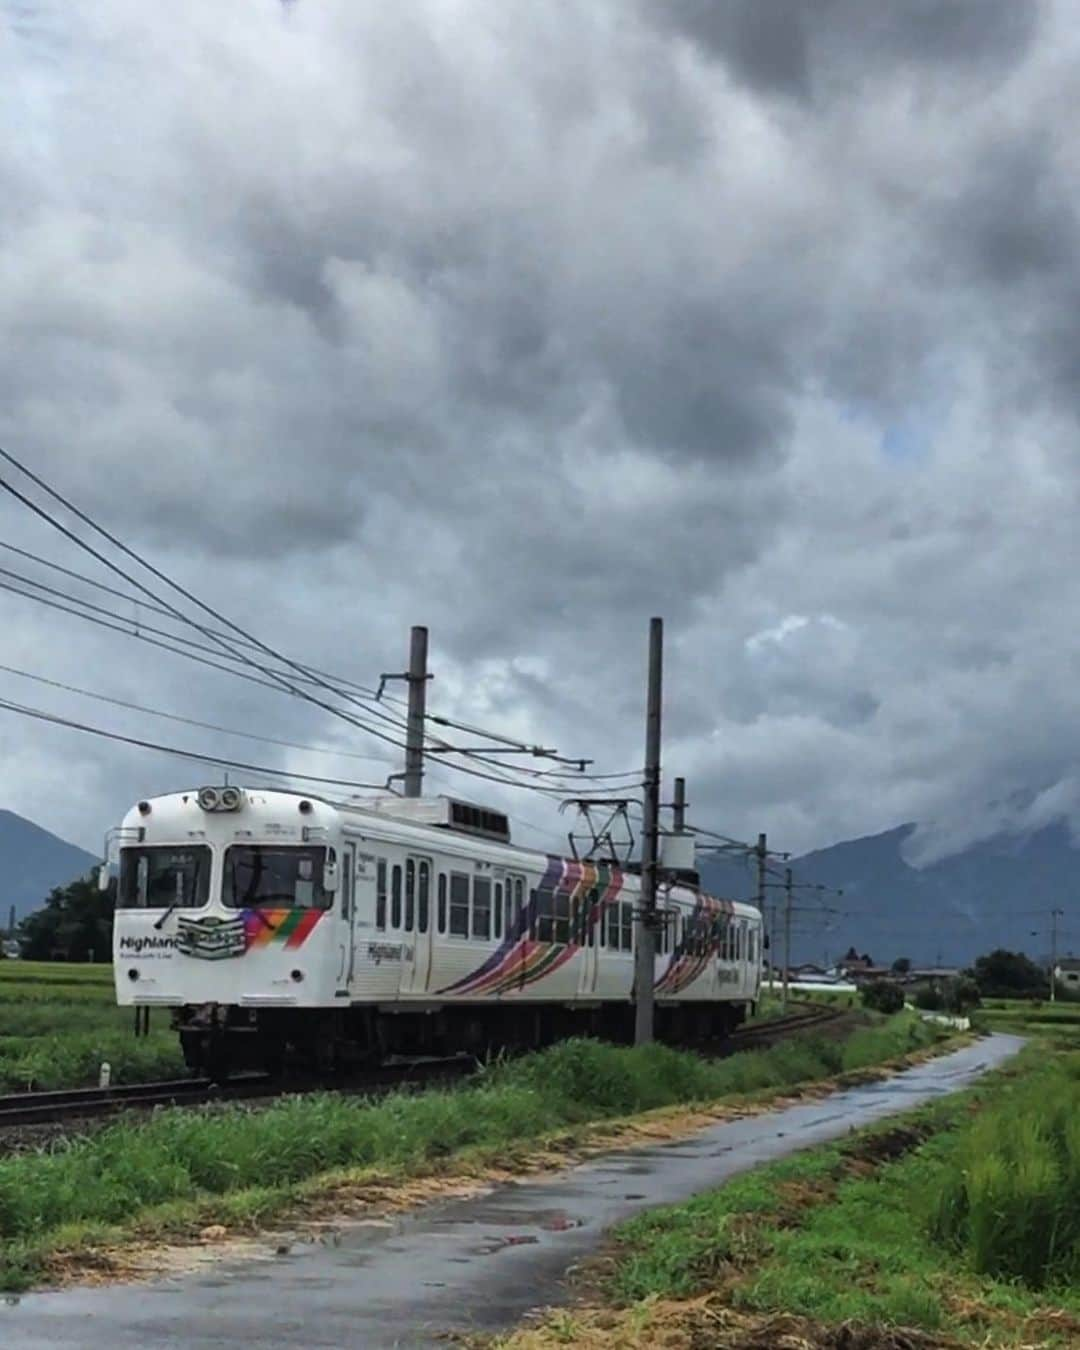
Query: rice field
[[58, 1024]]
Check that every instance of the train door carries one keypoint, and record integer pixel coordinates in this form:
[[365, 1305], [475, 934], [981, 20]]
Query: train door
[[348, 914], [588, 935], [417, 926]]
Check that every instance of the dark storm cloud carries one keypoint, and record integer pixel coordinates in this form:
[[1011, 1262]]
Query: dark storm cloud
[[531, 322], [797, 49]]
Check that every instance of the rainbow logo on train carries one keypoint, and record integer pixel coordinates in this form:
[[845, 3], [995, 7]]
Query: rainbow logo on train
[[291, 927]]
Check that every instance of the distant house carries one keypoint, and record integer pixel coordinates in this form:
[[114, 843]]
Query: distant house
[[1067, 972], [852, 962]]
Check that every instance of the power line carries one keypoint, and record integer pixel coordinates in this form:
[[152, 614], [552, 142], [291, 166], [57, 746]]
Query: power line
[[40, 715], [341, 683], [187, 721], [176, 586], [283, 681]]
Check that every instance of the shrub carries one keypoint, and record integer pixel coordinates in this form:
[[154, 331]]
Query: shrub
[[952, 996], [883, 996]]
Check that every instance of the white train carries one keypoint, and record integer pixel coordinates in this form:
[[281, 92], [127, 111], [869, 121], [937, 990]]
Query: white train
[[277, 925]]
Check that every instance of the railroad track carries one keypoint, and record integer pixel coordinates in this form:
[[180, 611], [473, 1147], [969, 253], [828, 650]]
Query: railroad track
[[811, 1015], [43, 1108]]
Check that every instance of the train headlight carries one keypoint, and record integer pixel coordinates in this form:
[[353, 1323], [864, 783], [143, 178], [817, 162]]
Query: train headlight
[[220, 799]]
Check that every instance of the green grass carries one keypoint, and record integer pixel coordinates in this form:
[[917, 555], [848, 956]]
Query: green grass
[[226, 1162], [54, 972], [972, 1233], [1011, 1204], [59, 1022]]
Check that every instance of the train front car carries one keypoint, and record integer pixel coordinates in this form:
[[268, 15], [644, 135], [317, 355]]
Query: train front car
[[228, 910]]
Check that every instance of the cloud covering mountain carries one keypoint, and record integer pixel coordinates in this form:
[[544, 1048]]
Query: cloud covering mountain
[[528, 322]]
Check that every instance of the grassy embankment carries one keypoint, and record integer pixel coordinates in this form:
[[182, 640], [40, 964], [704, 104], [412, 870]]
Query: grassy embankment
[[58, 1022], [186, 1168], [961, 1220]]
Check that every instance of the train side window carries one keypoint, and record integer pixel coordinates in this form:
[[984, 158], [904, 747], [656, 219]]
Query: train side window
[[380, 893], [410, 895], [560, 909], [497, 911], [442, 903], [545, 916], [751, 945], [459, 905], [590, 916], [423, 896], [519, 900], [627, 926], [481, 907], [395, 897]]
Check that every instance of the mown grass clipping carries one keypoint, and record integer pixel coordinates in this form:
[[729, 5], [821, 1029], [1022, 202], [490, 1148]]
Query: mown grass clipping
[[201, 1157]]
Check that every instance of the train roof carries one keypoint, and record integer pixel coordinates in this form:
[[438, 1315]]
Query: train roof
[[478, 831]]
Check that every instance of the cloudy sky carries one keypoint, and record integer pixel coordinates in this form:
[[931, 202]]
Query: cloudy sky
[[528, 322]]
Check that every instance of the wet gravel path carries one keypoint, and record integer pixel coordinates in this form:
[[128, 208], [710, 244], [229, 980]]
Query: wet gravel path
[[479, 1263]]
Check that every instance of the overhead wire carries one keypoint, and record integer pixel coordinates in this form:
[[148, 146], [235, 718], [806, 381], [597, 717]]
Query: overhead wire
[[187, 721], [161, 576], [177, 752], [340, 684]]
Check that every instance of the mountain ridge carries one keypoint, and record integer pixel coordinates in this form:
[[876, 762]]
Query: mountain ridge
[[995, 893], [32, 862]]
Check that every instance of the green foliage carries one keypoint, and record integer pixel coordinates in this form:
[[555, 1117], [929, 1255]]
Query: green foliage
[[901, 965], [883, 996], [1012, 1204], [75, 924], [1003, 974], [193, 1156]]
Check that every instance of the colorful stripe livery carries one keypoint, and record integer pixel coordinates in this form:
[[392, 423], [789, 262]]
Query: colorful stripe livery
[[700, 943], [292, 927], [521, 959]]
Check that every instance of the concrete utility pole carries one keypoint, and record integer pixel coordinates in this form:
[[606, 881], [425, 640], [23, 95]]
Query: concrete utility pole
[[414, 733], [1054, 914], [787, 932], [645, 956], [762, 853]]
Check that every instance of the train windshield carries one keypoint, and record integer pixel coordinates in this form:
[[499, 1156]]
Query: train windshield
[[164, 878], [274, 876]]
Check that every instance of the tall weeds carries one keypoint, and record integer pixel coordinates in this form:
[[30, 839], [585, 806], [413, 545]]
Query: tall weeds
[[1012, 1200]]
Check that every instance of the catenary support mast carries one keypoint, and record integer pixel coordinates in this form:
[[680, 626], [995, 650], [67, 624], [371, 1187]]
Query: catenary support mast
[[645, 961], [414, 733]]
